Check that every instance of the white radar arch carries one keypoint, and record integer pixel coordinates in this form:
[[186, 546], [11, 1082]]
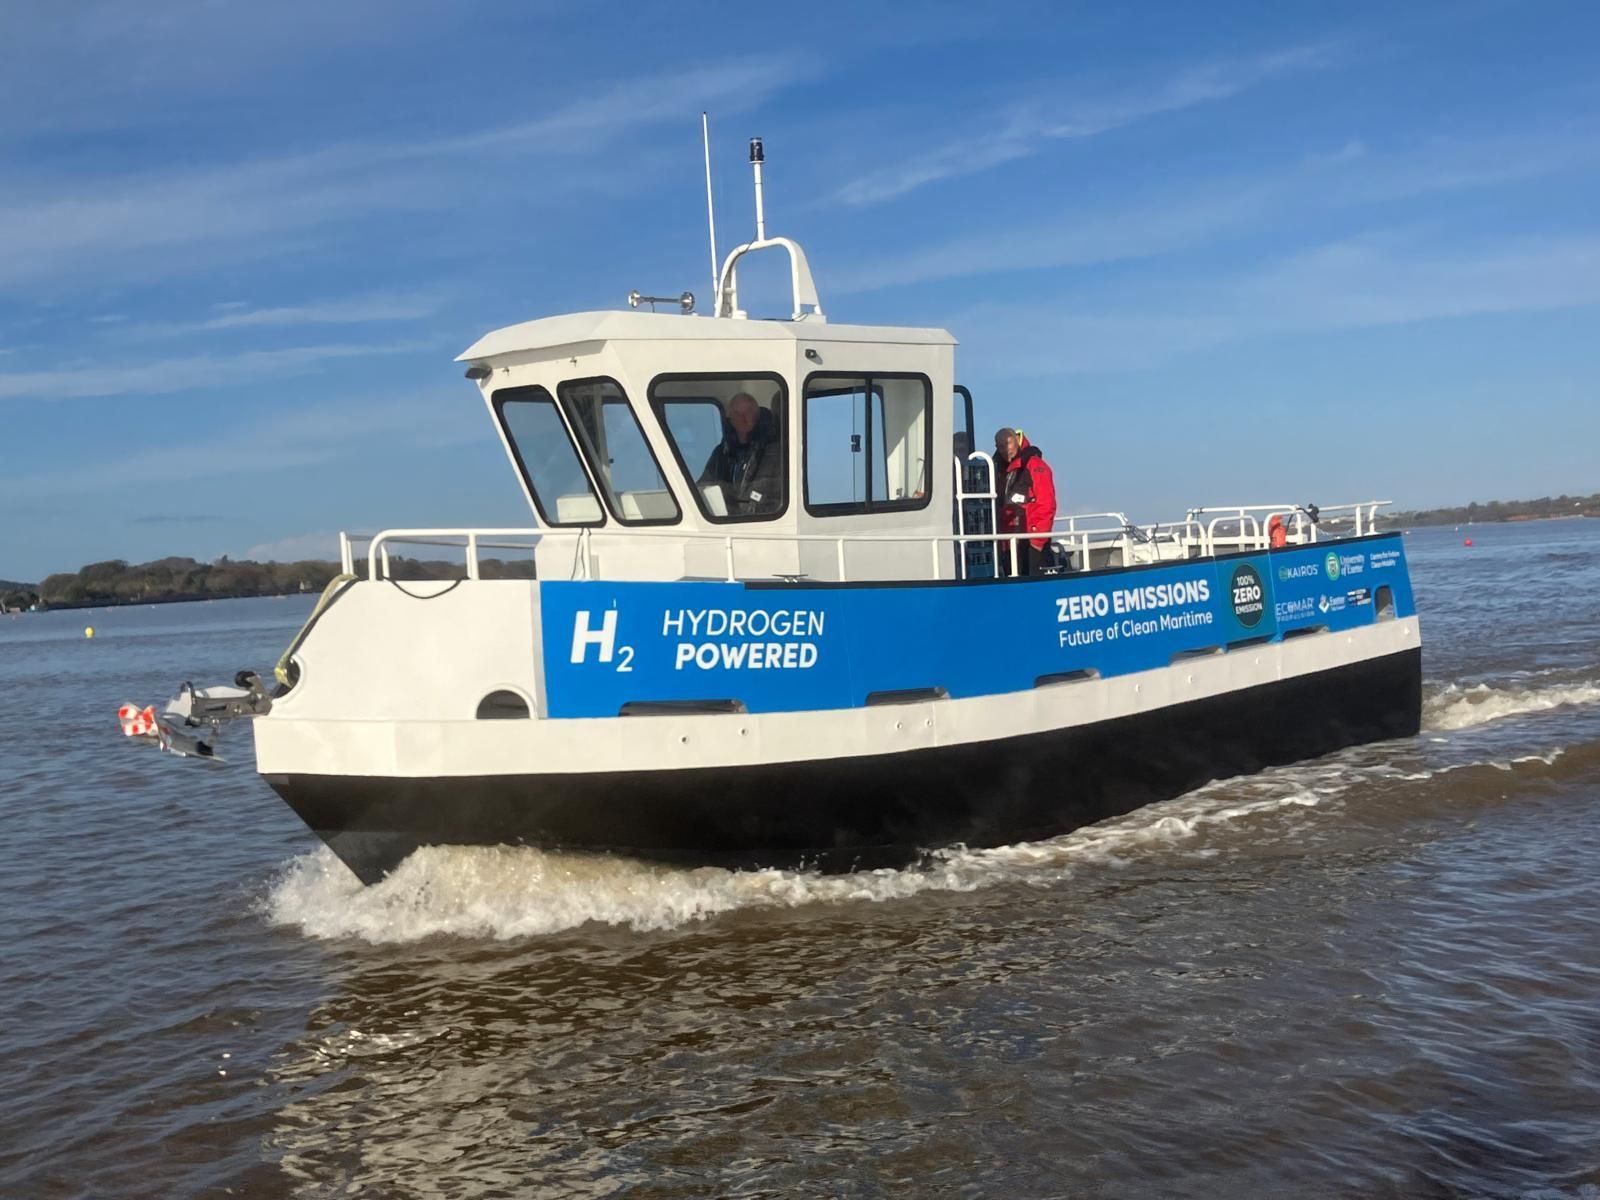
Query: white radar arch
[[803, 288]]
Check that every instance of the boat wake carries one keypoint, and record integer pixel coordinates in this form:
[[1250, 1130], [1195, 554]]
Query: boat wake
[[515, 892], [510, 892], [1457, 707]]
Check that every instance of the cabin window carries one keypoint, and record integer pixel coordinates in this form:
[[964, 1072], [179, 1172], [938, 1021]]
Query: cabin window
[[546, 458], [965, 431], [636, 492], [868, 442], [728, 433]]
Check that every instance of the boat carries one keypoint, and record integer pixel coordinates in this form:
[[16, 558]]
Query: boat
[[828, 661]]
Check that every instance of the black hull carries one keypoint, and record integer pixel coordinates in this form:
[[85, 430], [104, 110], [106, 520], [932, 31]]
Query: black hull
[[844, 813]]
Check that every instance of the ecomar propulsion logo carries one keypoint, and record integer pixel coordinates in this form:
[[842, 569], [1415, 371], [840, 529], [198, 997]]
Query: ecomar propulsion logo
[[1331, 565], [1249, 597]]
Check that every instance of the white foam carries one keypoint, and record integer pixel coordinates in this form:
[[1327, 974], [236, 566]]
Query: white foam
[[1460, 708], [504, 892]]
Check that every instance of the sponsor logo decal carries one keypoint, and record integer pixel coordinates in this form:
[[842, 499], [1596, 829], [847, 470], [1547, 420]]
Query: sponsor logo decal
[[1331, 565], [1299, 572], [1358, 596], [1248, 595]]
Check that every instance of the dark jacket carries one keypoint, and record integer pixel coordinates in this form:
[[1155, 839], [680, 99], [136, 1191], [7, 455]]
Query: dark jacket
[[1029, 477], [751, 473]]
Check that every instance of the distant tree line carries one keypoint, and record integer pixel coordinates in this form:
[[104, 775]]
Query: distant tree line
[[168, 579], [14, 596], [1502, 510]]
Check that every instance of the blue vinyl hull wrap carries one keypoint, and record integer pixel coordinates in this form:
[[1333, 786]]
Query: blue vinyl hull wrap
[[786, 647]]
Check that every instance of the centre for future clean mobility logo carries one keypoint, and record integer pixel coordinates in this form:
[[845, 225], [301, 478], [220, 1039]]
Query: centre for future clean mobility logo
[[1331, 565]]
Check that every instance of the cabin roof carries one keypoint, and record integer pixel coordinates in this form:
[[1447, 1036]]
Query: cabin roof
[[617, 326]]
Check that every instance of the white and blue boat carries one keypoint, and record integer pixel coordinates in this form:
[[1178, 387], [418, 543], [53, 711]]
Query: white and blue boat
[[806, 657]]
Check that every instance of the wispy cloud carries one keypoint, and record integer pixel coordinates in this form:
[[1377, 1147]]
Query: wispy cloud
[[306, 435], [125, 63], [1138, 229], [236, 315], [1380, 281], [179, 374], [236, 210], [356, 310], [1193, 212], [1352, 284], [1023, 131]]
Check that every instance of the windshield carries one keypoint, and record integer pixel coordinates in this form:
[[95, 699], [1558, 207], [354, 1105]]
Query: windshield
[[546, 457], [635, 490], [728, 434]]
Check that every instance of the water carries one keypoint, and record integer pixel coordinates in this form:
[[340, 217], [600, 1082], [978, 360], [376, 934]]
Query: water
[[1373, 975]]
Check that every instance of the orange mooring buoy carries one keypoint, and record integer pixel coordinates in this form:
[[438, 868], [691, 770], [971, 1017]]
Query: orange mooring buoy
[[1466, 541]]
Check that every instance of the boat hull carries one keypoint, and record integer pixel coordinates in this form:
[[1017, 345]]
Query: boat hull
[[842, 813]]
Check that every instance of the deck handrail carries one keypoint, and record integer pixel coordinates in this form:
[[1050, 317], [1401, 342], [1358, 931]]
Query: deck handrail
[[1114, 532]]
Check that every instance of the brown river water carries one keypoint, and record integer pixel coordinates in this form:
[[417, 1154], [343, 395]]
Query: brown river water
[[1373, 975]]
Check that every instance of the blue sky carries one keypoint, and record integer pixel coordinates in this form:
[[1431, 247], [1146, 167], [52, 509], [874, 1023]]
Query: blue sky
[[1201, 253]]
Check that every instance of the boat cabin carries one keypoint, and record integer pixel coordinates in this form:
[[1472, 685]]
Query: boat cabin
[[683, 447], [674, 446]]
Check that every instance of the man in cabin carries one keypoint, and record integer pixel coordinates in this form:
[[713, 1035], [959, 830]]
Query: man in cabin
[[1027, 491], [748, 462]]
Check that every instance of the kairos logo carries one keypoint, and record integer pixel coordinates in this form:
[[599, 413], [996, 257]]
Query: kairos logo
[[1249, 597], [1331, 565]]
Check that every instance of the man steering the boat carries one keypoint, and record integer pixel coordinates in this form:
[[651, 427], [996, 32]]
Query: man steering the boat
[[748, 462]]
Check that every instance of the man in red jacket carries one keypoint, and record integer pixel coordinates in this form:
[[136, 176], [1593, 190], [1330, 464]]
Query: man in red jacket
[[1027, 489]]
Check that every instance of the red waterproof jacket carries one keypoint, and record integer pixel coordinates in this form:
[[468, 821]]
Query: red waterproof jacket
[[1030, 477]]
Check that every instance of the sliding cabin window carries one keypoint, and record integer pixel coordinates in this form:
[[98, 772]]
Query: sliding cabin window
[[729, 435], [620, 459], [546, 458], [868, 443]]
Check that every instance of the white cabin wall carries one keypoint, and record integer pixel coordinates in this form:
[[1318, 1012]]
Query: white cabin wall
[[917, 557]]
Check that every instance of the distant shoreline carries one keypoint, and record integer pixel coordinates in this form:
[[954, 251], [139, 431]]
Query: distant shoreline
[[1546, 508], [117, 583], [152, 600]]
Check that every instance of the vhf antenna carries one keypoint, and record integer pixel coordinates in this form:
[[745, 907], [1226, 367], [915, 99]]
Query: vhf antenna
[[711, 212]]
